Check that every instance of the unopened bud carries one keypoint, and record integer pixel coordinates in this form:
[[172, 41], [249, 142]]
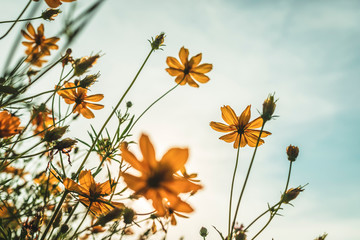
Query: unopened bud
[[269, 106], [83, 64], [128, 215], [292, 152], [203, 232], [64, 228], [50, 13], [65, 143], [158, 41], [322, 237], [55, 133], [129, 104], [113, 214], [88, 80], [291, 194]]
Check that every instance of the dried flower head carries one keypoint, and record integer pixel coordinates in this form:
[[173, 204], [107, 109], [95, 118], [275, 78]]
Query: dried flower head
[[50, 14], [322, 237], [292, 152], [291, 194], [9, 125], [81, 65], [55, 133], [188, 71], [240, 126]]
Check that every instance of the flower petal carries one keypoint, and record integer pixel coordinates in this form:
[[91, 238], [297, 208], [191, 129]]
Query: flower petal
[[148, 152], [229, 137], [132, 160], [245, 117], [87, 113], [86, 179], [200, 77], [184, 54], [94, 106], [180, 79], [256, 123], [174, 71], [203, 68], [174, 63], [175, 158], [135, 183], [229, 116], [195, 60], [31, 29], [190, 81], [72, 186], [105, 188], [220, 127], [94, 98]]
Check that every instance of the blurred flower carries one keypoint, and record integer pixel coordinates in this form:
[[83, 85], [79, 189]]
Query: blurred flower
[[188, 71], [51, 179], [92, 193], [239, 126], [42, 120], [20, 172], [158, 181], [56, 3], [292, 152], [9, 125], [38, 43], [171, 212], [50, 14], [36, 59], [79, 97]]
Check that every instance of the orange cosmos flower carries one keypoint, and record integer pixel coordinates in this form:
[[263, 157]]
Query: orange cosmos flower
[[41, 119], [37, 41], [9, 125], [79, 97], [240, 126], [188, 71], [158, 181], [36, 59], [92, 193]]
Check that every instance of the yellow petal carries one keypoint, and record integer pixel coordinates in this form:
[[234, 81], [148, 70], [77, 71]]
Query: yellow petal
[[245, 117], [195, 60], [257, 132], [41, 30], [31, 29], [86, 113], [190, 81], [184, 54], [147, 151], [200, 77], [181, 185], [229, 116], [105, 188], [180, 79], [175, 158], [173, 63], [74, 187], [94, 106], [137, 184], [174, 72], [86, 179], [256, 123], [157, 201], [229, 137], [220, 127], [132, 160], [203, 68], [94, 98]]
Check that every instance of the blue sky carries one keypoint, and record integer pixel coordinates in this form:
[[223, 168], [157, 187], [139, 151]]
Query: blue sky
[[305, 51]]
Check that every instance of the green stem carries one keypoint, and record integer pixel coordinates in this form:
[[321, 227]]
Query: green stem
[[17, 20], [260, 216], [82, 221], [21, 20], [278, 208], [112, 113], [246, 179], [232, 183]]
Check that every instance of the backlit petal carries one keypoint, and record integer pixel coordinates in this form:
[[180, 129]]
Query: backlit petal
[[229, 115], [86, 179], [200, 77], [147, 150], [132, 160], [220, 127], [190, 81], [229, 137], [135, 183], [94, 106], [174, 63], [256, 123], [175, 158], [245, 117], [184, 54], [203, 68], [195, 60], [173, 71]]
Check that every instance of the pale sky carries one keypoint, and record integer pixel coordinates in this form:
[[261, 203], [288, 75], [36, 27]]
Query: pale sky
[[305, 51]]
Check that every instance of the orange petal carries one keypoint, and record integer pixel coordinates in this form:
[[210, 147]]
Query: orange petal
[[181, 185], [74, 187], [257, 132], [245, 117], [184, 54], [229, 137], [175, 158], [220, 127], [173, 63], [229, 116], [172, 71], [190, 81], [86, 180], [87, 113], [203, 68], [256, 123], [95, 106], [147, 151], [137, 184], [200, 77], [105, 188], [157, 201], [180, 79], [132, 160], [27, 36], [53, 3], [195, 60], [31, 29], [252, 139], [41, 30]]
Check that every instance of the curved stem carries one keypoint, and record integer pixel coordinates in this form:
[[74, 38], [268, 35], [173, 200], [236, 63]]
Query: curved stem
[[21, 20], [246, 179], [278, 208], [17, 20], [232, 184], [260, 216]]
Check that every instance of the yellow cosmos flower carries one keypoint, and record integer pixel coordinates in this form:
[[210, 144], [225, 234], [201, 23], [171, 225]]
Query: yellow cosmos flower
[[188, 71], [9, 125], [240, 126], [158, 181], [79, 97], [92, 193], [37, 41]]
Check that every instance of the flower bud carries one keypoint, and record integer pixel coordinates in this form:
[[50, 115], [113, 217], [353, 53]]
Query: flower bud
[[268, 107], [129, 104], [113, 214], [291, 194], [88, 80], [50, 13], [83, 64], [55, 134], [64, 228], [292, 152], [203, 232], [322, 237], [65, 143], [128, 215], [158, 41]]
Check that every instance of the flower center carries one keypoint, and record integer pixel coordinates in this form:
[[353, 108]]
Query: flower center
[[159, 175]]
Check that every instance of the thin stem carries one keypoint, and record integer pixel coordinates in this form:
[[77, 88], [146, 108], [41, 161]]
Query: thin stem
[[260, 216], [278, 208], [171, 89], [68, 218], [112, 113], [246, 179], [232, 183], [21, 20], [17, 20], [82, 221]]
